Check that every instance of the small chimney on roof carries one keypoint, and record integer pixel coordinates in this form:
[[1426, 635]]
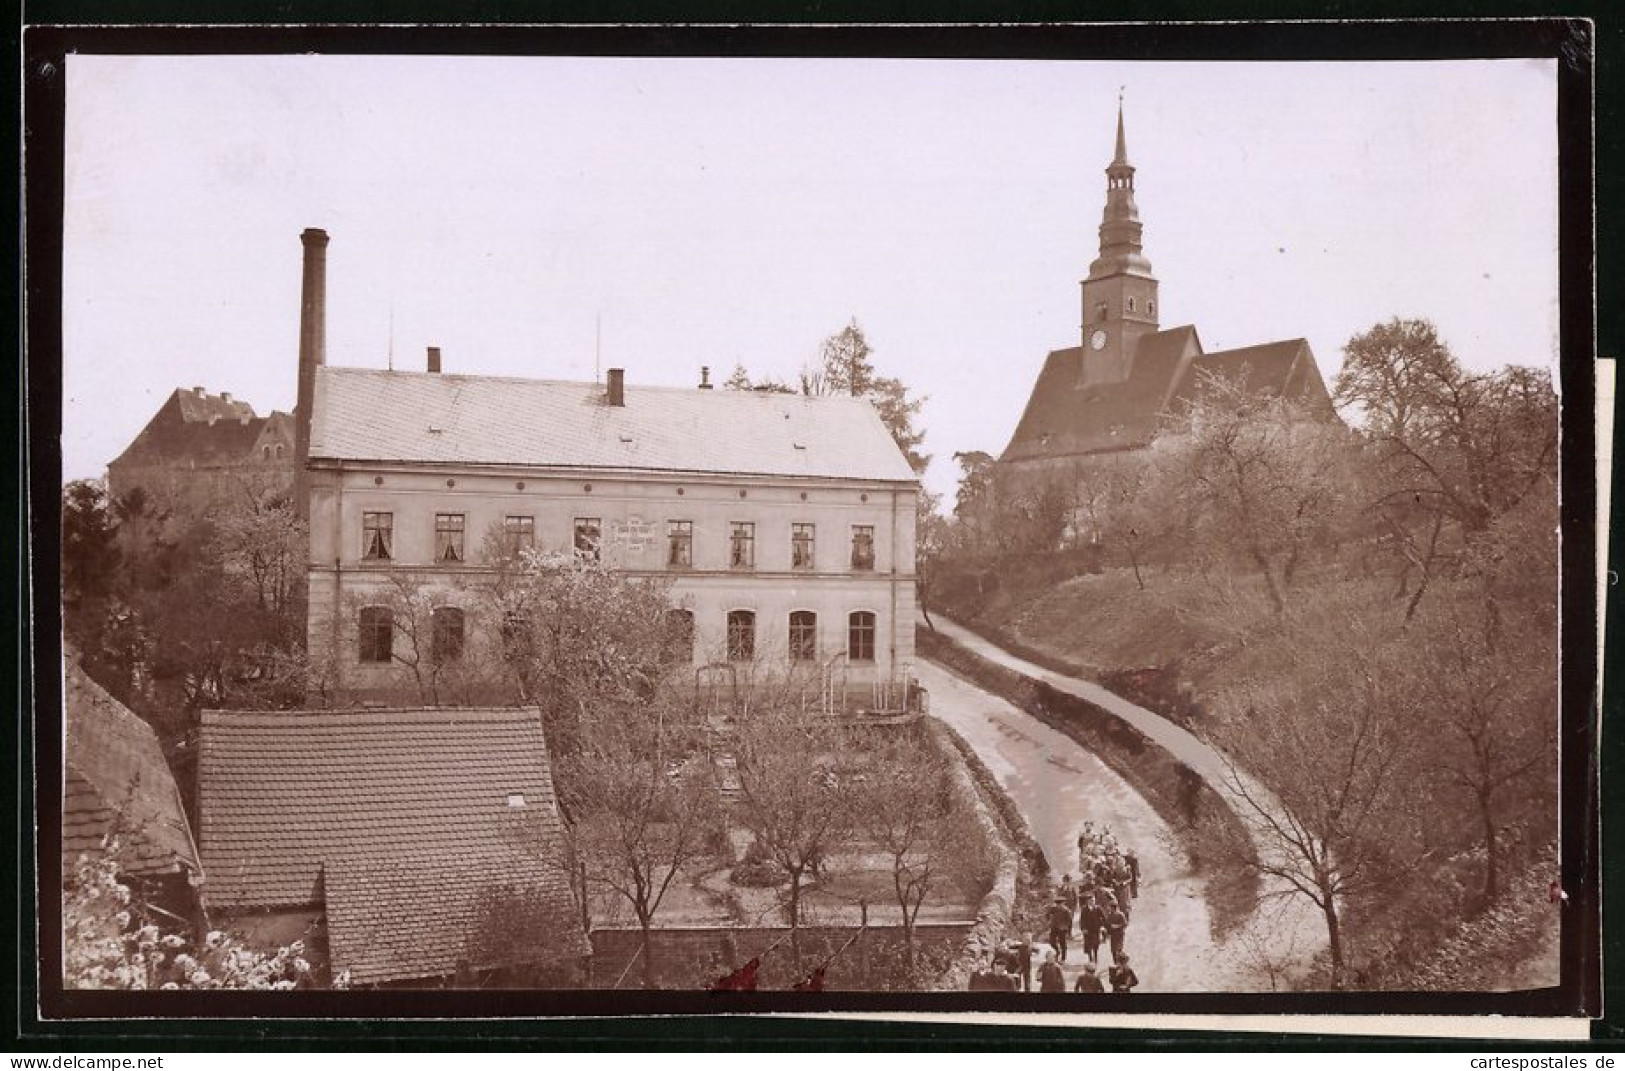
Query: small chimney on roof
[[225, 396], [434, 360], [705, 377], [198, 391], [617, 387]]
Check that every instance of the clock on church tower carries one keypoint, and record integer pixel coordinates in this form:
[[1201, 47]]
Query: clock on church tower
[[1120, 292]]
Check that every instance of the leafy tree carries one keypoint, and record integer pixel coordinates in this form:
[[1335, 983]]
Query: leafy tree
[[90, 549], [846, 367]]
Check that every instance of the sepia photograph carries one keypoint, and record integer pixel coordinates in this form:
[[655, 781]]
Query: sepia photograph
[[710, 524]]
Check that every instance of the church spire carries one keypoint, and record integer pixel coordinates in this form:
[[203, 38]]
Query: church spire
[[1121, 159], [1120, 226]]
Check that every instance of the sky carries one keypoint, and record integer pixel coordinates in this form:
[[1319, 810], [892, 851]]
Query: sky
[[549, 216]]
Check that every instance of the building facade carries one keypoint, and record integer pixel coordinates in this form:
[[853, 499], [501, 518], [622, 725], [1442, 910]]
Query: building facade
[[783, 524], [1129, 377]]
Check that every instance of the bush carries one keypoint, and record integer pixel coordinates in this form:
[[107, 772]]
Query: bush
[[757, 870]]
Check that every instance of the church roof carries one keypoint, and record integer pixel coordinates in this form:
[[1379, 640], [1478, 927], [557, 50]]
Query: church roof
[[1065, 416], [1284, 369], [365, 414]]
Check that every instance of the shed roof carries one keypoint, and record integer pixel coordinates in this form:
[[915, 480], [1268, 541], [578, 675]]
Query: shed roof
[[363, 414], [399, 821], [116, 778]]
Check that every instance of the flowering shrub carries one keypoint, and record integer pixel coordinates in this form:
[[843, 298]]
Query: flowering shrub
[[105, 944]]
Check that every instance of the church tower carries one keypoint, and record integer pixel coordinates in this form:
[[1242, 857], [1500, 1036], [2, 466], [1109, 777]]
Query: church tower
[[1120, 293]]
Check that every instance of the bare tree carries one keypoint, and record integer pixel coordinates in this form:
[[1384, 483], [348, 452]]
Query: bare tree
[[799, 797]]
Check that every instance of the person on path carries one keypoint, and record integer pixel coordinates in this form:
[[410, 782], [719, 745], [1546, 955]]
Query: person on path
[[1060, 925], [1122, 879], [1090, 920], [1069, 893], [1116, 927], [1050, 978], [1024, 961], [1088, 981], [1133, 873], [1122, 977]]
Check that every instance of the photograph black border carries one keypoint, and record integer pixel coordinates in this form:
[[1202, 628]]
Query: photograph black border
[[408, 1018]]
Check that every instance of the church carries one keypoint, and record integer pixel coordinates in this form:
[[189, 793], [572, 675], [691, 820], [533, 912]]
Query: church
[[1129, 376]]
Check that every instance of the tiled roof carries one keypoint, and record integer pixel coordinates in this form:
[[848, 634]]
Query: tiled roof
[[199, 429], [116, 776], [402, 815], [199, 406], [1066, 417], [365, 414]]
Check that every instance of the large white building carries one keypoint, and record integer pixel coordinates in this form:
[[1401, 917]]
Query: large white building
[[784, 523]]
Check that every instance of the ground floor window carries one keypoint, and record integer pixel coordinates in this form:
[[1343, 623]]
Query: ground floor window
[[741, 635], [803, 636], [447, 635], [377, 634], [860, 636]]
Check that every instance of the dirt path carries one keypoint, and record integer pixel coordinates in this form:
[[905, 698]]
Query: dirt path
[[1290, 932], [1058, 786]]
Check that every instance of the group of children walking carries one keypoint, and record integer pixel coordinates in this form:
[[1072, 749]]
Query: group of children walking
[[1098, 903]]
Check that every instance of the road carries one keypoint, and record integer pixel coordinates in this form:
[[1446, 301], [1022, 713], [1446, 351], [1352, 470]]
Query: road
[[1058, 785], [1287, 935]]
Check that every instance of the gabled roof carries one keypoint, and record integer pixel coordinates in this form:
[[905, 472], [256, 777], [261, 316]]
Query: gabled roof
[[398, 821], [1284, 369], [1065, 416], [197, 427], [116, 779], [363, 414]]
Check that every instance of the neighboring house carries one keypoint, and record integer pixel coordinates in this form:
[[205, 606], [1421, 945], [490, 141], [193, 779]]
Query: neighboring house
[[785, 523], [202, 449], [1130, 377], [116, 783], [404, 847]]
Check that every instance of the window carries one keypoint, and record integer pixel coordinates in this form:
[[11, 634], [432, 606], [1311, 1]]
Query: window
[[860, 636], [803, 636], [278, 449], [741, 635], [518, 533], [801, 546], [266, 451], [863, 546], [377, 634], [1101, 310], [586, 539], [448, 537], [1130, 304], [1150, 308], [679, 544], [679, 638], [742, 545], [378, 536], [447, 635]]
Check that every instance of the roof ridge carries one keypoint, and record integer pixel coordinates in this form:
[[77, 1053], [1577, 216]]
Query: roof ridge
[[548, 381]]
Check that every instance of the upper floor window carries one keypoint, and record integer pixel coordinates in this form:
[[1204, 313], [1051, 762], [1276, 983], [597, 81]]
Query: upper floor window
[[377, 536], [518, 533], [1150, 308], [448, 537], [742, 545], [801, 546], [377, 634], [679, 544], [741, 635], [446, 635], [679, 638], [1130, 304], [860, 636], [803, 636], [1101, 309], [587, 534], [863, 546], [266, 452]]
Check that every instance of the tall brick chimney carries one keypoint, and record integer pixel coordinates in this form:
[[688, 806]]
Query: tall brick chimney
[[433, 363], [312, 352]]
